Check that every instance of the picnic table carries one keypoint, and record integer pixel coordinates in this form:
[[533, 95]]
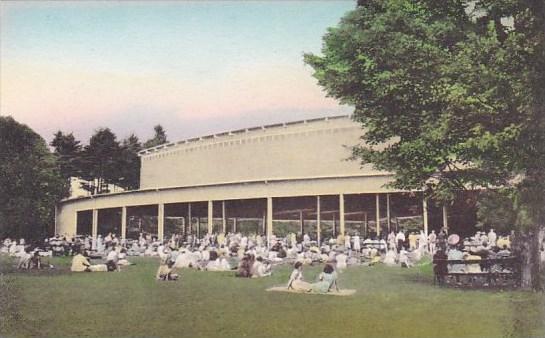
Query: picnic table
[[492, 272]]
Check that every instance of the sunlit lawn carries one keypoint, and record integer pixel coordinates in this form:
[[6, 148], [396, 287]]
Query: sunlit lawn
[[389, 302]]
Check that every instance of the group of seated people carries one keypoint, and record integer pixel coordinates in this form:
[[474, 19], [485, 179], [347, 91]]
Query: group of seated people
[[236, 251], [477, 255], [327, 280]]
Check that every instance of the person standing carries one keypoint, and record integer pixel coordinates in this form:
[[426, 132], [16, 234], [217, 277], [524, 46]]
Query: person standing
[[432, 238], [400, 238]]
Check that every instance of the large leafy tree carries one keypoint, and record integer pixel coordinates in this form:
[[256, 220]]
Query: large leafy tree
[[450, 98], [30, 182]]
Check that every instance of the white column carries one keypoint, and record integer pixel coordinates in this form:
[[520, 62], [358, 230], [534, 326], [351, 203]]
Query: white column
[[160, 221], [318, 219], [445, 218], [95, 223], [123, 222], [269, 220], [425, 214], [210, 216], [377, 199], [189, 230], [388, 211], [223, 219], [341, 214]]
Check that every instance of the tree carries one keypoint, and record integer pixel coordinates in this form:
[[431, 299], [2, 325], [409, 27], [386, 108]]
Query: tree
[[448, 100], [68, 151], [130, 163], [102, 160], [159, 138], [30, 182]]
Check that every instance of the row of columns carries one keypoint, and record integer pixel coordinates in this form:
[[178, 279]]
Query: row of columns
[[269, 217]]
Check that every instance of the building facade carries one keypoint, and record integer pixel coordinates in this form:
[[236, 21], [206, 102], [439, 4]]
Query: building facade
[[275, 179]]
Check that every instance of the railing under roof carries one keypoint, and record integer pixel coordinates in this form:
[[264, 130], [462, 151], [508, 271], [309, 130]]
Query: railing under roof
[[238, 131]]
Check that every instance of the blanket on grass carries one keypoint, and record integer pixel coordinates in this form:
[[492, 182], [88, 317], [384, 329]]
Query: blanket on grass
[[343, 292]]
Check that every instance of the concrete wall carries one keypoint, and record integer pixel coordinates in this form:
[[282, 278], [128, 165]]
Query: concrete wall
[[301, 150]]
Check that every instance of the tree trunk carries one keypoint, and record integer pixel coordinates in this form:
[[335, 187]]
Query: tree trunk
[[532, 268]]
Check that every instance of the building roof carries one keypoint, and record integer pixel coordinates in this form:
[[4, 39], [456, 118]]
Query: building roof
[[169, 145]]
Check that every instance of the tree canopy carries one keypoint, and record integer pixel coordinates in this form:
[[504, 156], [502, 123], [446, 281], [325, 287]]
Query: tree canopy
[[159, 138], [30, 182], [68, 151], [456, 95]]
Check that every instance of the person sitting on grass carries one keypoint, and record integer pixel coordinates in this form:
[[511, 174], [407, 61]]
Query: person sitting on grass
[[327, 280], [390, 257], [122, 258], [24, 259], [165, 271], [112, 259], [404, 259], [245, 267], [217, 263], [80, 263], [296, 281], [261, 268]]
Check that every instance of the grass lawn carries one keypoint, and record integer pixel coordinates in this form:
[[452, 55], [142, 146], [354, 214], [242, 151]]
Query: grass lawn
[[389, 302]]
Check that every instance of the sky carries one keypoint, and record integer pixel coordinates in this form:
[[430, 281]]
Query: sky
[[194, 67]]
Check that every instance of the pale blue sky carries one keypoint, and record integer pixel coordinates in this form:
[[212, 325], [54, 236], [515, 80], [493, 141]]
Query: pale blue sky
[[195, 67]]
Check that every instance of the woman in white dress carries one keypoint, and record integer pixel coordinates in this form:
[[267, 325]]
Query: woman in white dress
[[296, 281]]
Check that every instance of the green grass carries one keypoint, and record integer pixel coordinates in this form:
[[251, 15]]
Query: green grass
[[389, 302]]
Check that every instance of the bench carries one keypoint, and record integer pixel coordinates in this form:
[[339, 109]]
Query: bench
[[494, 273]]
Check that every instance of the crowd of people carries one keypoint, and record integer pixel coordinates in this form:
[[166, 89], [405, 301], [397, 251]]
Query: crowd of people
[[252, 256]]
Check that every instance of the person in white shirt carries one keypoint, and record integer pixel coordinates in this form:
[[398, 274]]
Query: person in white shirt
[[400, 239], [341, 261], [492, 237], [432, 239], [404, 259], [390, 258], [306, 239], [357, 245], [260, 269], [296, 281], [111, 260], [423, 242], [347, 242]]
